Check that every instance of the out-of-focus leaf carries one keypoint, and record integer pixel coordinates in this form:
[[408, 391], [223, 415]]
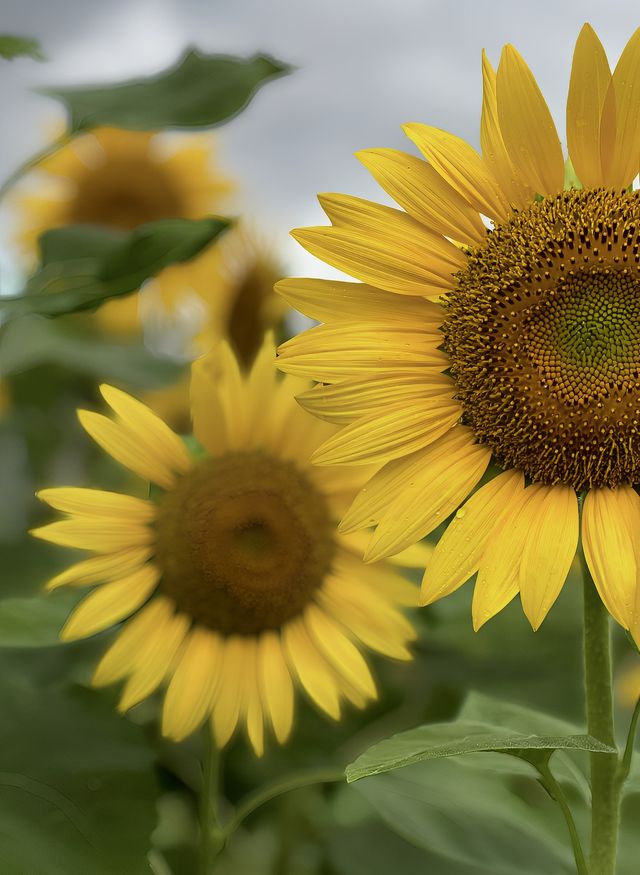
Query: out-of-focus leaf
[[438, 740], [199, 92], [33, 341], [35, 621], [20, 47], [83, 266], [469, 814], [372, 849], [77, 782]]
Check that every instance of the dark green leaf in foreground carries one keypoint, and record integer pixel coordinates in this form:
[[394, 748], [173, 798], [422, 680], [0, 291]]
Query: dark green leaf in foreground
[[199, 92], [484, 724], [34, 341], [472, 816], [20, 47], [78, 787], [83, 266]]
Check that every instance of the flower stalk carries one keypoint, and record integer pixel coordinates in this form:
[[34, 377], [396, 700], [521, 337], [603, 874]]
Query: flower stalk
[[605, 784]]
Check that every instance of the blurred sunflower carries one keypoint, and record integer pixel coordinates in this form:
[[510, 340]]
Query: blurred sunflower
[[236, 576], [497, 319]]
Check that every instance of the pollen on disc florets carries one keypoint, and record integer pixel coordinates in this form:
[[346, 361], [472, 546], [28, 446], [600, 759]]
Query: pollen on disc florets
[[543, 330], [243, 542]]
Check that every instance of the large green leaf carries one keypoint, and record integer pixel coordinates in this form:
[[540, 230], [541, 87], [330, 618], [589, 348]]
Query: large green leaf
[[83, 266], [35, 621], [77, 782], [474, 817], [438, 740], [20, 47], [33, 341], [199, 92]]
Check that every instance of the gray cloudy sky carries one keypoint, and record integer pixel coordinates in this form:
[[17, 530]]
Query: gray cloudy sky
[[364, 68]]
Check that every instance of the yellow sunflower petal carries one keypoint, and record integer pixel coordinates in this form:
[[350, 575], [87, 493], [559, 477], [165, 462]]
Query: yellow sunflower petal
[[154, 662], [609, 550], [193, 683], [310, 667], [347, 350], [424, 194], [394, 226], [98, 534], [228, 696], [497, 581], [620, 158], [527, 126], [252, 709], [339, 651], [444, 480], [209, 423], [148, 428], [462, 168], [590, 78], [121, 657], [95, 502], [384, 436], [102, 568], [458, 552], [344, 402], [494, 151], [370, 503], [276, 686], [334, 301], [110, 603], [394, 266], [120, 443], [549, 550], [378, 625]]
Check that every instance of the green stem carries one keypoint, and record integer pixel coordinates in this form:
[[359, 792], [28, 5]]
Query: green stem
[[605, 787], [32, 163], [271, 791], [212, 838], [556, 792], [625, 762]]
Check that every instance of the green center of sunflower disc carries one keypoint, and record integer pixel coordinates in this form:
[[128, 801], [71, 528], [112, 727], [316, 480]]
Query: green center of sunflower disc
[[543, 330], [243, 542]]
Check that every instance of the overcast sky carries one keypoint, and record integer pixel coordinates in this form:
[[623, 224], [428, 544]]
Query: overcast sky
[[364, 68]]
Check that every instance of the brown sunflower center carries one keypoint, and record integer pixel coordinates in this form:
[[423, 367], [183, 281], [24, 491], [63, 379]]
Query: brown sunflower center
[[543, 330], [243, 542], [123, 194]]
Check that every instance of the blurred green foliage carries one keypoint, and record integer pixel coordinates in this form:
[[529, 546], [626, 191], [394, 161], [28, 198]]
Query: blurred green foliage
[[199, 92], [12, 46]]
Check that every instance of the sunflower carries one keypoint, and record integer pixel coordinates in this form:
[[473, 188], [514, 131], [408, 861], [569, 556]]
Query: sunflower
[[121, 179], [231, 577], [237, 304], [491, 350]]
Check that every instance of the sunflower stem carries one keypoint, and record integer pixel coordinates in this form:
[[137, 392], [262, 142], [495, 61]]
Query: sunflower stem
[[212, 839], [605, 785], [278, 788], [556, 792]]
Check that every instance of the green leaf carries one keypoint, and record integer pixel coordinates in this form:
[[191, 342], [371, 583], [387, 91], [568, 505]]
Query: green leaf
[[474, 817], [20, 47], [83, 266], [71, 765], [569, 766], [35, 621], [33, 341], [438, 740], [199, 92]]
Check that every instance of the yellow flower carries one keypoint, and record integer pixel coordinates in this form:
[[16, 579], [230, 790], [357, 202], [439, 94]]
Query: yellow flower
[[496, 320], [121, 179], [238, 305], [233, 581]]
